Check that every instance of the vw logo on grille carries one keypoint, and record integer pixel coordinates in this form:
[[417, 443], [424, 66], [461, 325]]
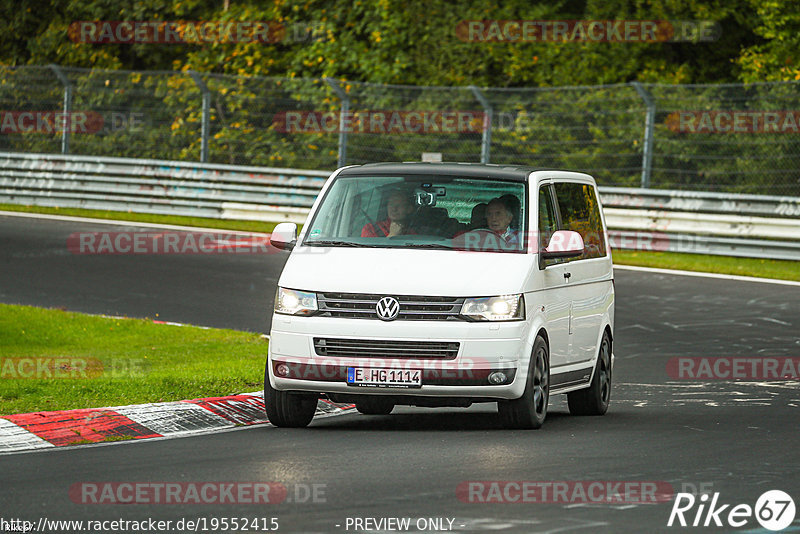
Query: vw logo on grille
[[387, 308]]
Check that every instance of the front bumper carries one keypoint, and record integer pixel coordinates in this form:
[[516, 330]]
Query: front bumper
[[483, 348]]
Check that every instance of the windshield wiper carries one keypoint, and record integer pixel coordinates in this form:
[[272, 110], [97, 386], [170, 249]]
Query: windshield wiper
[[427, 245], [331, 243], [338, 243]]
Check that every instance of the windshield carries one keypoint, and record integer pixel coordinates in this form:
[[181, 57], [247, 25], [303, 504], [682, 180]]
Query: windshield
[[446, 212]]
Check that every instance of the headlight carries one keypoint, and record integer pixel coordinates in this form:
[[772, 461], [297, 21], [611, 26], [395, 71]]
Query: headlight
[[294, 302], [502, 308]]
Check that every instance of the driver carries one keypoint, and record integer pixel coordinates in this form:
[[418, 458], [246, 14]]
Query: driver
[[499, 215], [399, 208]]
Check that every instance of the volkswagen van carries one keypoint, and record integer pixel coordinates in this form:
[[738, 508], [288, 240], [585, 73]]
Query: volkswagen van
[[444, 284]]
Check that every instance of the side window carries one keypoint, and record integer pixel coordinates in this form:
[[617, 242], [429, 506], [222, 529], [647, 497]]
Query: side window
[[580, 213], [547, 216]]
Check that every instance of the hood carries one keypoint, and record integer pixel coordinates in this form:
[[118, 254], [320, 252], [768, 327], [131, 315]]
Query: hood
[[406, 271]]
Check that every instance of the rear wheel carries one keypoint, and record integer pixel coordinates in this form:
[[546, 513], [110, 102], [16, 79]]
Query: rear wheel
[[288, 409], [376, 406], [594, 400], [530, 410]]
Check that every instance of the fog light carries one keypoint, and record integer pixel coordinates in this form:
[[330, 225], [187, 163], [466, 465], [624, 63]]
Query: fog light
[[282, 369], [498, 377]]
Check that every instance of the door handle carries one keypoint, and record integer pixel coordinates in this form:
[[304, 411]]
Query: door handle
[[567, 276]]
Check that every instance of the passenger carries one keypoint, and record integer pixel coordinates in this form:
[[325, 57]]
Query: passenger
[[398, 208], [499, 215], [512, 202]]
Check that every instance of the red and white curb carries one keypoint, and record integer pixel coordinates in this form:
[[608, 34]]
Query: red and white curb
[[41, 430]]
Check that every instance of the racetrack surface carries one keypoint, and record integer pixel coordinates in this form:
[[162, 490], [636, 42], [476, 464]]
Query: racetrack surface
[[736, 438]]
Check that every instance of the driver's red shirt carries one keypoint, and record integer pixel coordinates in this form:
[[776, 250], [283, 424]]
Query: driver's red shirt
[[382, 231]]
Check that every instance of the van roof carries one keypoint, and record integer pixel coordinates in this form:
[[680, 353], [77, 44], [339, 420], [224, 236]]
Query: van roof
[[517, 173]]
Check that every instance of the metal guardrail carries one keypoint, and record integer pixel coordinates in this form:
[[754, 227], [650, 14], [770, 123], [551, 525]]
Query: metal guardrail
[[638, 219], [158, 187], [693, 201], [753, 226]]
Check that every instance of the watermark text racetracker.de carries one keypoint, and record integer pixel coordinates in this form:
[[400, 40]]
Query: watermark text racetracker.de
[[443, 372], [565, 491], [762, 368], [68, 368], [213, 242], [50, 368], [435, 122], [587, 31], [732, 121], [171, 242], [75, 122], [198, 32], [204, 493], [175, 32], [380, 121]]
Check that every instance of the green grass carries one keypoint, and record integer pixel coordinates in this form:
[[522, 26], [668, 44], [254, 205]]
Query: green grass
[[203, 222], [780, 269], [138, 361], [117, 438]]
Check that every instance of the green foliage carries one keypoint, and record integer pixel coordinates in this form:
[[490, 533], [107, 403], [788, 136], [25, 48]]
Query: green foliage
[[415, 41], [777, 57], [759, 268]]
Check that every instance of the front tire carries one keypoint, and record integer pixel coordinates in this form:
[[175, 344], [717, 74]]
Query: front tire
[[287, 409], [376, 406], [594, 400], [530, 410]]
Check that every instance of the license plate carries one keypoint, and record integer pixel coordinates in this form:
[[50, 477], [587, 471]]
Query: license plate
[[369, 377]]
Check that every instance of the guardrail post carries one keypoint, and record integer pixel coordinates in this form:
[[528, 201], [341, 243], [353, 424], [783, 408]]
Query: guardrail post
[[204, 121], [345, 110], [650, 119], [486, 139], [66, 123]]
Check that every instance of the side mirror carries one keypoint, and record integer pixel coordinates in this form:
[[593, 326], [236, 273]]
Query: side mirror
[[284, 236], [563, 244]]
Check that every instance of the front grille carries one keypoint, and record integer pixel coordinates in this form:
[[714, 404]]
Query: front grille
[[382, 348], [412, 307]]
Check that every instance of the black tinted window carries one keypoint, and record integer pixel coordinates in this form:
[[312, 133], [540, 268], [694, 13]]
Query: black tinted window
[[547, 217], [580, 213]]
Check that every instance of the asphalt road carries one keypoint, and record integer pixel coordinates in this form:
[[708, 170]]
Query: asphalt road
[[37, 268], [737, 439]]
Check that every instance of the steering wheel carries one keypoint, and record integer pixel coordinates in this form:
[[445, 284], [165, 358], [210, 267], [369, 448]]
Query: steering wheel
[[483, 230]]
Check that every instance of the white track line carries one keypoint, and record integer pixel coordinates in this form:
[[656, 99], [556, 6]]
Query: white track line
[[70, 218], [710, 275]]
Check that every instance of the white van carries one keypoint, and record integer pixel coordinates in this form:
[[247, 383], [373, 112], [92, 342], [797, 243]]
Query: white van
[[444, 284]]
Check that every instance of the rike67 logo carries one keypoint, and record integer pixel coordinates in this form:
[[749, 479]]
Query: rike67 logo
[[774, 510]]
